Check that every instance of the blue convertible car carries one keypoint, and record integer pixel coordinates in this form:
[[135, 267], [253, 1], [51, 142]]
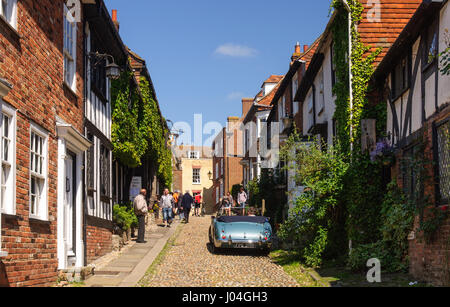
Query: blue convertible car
[[252, 232]]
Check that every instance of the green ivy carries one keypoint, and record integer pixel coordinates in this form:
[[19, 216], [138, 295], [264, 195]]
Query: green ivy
[[315, 224], [125, 133], [138, 131], [362, 70]]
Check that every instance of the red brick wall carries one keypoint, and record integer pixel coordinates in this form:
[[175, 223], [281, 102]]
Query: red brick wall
[[430, 261], [32, 61], [98, 242]]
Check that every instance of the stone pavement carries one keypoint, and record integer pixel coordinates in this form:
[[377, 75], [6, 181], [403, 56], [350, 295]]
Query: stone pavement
[[190, 263], [132, 264]]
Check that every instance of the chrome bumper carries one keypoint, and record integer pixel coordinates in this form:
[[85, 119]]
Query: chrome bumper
[[251, 244]]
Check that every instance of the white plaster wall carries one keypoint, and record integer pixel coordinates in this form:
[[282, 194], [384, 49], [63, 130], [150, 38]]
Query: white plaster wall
[[430, 97]]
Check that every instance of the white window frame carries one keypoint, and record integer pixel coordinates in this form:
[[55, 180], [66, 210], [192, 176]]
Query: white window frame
[[8, 184], [194, 175], [10, 13], [69, 52], [217, 170], [217, 195], [42, 205], [221, 167], [194, 155]]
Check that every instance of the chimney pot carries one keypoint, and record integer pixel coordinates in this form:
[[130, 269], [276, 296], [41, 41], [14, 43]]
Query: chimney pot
[[114, 19], [297, 48]]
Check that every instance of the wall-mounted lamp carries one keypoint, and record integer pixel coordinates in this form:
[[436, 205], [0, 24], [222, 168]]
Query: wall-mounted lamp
[[112, 69]]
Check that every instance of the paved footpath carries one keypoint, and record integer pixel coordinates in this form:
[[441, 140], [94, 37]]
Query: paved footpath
[[189, 263], [132, 264]]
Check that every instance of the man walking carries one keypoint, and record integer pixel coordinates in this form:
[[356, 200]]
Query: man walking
[[198, 202], [166, 204], [141, 211], [186, 205]]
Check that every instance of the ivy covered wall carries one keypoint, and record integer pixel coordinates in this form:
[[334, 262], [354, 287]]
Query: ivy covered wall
[[138, 130]]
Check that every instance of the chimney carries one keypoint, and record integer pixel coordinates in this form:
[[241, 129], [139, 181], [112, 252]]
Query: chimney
[[246, 105], [305, 48], [114, 19], [296, 54]]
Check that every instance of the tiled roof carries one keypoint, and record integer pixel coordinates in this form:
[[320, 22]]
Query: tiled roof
[[308, 54], [274, 79], [395, 14], [268, 98]]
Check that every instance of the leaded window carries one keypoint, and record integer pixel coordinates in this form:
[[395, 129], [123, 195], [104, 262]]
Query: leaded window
[[443, 153], [90, 167], [104, 171]]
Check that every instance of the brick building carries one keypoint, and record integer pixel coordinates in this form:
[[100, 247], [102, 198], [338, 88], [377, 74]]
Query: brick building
[[410, 80], [42, 109], [195, 169], [254, 118], [227, 155], [57, 187]]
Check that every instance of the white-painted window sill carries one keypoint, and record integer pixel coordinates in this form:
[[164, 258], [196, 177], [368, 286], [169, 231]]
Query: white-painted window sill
[[3, 254]]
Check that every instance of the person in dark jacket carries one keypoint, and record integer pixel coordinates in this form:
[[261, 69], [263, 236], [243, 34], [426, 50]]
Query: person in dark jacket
[[186, 205], [179, 207]]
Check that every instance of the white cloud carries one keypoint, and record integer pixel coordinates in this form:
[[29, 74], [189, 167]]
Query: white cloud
[[235, 95], [234, 50]]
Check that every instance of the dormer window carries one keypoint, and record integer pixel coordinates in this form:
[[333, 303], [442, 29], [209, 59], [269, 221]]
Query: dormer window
[[195, 155]]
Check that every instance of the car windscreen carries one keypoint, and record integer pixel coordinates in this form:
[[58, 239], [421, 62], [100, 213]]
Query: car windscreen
[[242, 219]]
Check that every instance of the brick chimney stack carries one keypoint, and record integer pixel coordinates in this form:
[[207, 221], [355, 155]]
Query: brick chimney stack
[[297, 53], [114, 19], [305, 48], [246, 105]]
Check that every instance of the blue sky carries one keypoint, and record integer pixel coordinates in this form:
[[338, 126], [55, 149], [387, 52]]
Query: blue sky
[[205, 55]]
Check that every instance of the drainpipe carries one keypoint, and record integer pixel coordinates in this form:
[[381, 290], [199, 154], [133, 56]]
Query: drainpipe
[[347, 7]]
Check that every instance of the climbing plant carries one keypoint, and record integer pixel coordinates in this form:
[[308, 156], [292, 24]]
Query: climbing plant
[[126, 136], [154, 132], [361, 65], [138, 130]]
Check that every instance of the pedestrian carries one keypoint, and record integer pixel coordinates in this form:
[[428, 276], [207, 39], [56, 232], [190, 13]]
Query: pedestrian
[[166, 203], [186, 205], [198, 202], [227, 202], [141, 211], [242, 200], [175, 201], [180, 207]]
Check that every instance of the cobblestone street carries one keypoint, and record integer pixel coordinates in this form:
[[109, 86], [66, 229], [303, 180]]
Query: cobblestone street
[[189, 263]]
